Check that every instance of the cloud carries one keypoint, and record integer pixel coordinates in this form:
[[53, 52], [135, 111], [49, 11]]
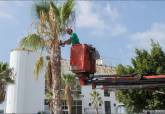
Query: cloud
[[118, 29], [112, 12], [99, 19], [143, 39], [87, 17]]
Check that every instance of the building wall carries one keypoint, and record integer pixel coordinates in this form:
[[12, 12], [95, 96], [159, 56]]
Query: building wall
[[2, 106], [26, 95], [100, 69], [87, 109], [86, 90]]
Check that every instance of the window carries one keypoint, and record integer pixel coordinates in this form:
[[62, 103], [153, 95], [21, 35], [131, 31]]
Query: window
[[46, 101], [64, 107], [1, 112], [107, 107], [106, 93], [76, 107]]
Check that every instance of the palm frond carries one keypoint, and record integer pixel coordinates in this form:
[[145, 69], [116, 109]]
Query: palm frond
[[3, 66], [41, 6], [38, 66], [67, 12], [68, 79], [53, 22], [5, 78], [6, 73], [95, 99], [56, 11], [33, 42], [53, 18]]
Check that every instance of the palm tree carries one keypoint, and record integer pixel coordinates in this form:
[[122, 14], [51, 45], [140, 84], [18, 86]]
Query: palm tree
[[51, 21], [69, 82], [5, 78], [96, 100]]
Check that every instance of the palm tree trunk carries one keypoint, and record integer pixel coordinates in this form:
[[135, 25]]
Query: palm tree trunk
[[2, 92], [55, 57], [97, 112], [69, 99], [70, 105]]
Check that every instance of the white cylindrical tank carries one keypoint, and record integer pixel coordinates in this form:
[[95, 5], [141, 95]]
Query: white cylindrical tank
[[27, 94]]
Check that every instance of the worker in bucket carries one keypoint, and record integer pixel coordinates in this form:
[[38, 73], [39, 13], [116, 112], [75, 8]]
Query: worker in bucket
[[73, 38]]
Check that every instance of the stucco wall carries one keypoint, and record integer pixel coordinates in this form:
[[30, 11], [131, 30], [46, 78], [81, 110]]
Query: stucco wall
[[27, 94]]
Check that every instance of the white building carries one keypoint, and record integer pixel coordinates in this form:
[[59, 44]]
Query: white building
[[27, 94], [2, 107], [109, 106]]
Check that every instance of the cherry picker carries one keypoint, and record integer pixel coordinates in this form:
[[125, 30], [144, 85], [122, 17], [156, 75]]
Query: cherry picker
[[83, 64]]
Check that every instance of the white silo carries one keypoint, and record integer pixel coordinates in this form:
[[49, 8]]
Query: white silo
[[27, 94]]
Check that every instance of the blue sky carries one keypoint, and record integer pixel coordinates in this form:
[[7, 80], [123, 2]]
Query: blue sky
[[115, 28]]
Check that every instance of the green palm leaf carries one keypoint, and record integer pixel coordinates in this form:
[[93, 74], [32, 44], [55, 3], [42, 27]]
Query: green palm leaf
[[33, 42], [68, 79], [67, 11], [95, 99], [5, 78]]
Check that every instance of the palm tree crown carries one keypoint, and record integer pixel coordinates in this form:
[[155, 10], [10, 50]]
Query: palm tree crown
[[52, 20], [68, 81], [96, 100]]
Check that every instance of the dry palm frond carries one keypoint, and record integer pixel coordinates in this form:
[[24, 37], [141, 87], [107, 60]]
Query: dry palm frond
[[38, 66], [42, 5], [42, 17], [53, 22]]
